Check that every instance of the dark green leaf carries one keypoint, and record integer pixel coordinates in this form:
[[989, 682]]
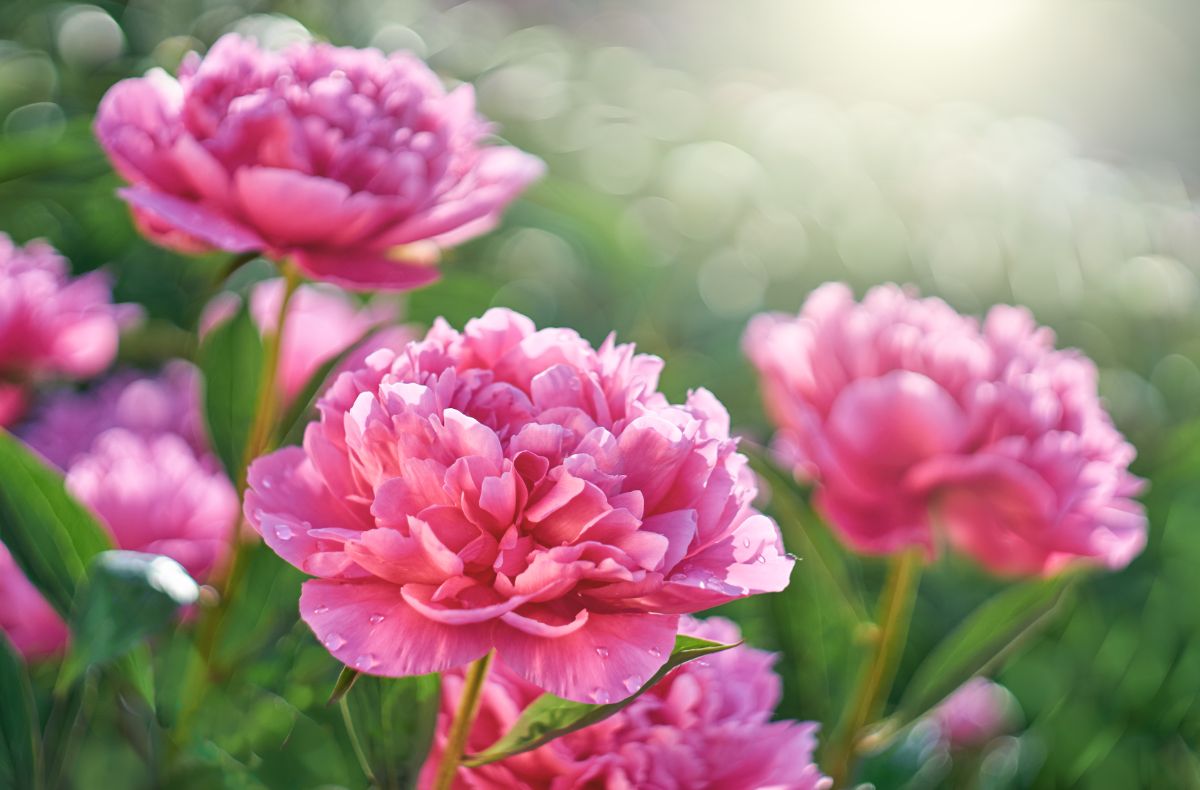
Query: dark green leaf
[[551, 717], [985, 637], [345, 682], [126, 597], [231, 359], [20, 764], [391, 722], [50, 535]]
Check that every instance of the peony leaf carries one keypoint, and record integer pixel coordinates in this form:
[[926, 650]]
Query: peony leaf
[[551, 717], [987, 636], [231, 360], [126, 597], [20, 759], [49, 534], [391, 722], [346, 680]]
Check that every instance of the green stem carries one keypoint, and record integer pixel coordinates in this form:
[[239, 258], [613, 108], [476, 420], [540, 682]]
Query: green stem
[[468, 706], [261, 430], [895, 612], [359, 753]]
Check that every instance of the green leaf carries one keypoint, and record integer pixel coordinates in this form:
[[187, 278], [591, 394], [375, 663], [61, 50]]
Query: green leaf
[[985, 637], [391, 723], [127, 596], [345, 682], [20, 763], [50, 534], [291, 425], [551, 717], [231, 359]]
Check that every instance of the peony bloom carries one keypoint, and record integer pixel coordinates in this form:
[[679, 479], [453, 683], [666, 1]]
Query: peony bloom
[[322, 322], [357, 166], [977, 712], [29, 622], [513, 489], [50, 324], [706, 725], [918, 425]]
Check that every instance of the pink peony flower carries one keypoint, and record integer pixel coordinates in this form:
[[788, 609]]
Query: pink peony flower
[[322, 322], [515, 490], [67, 424], [29, 622], [50, 324], [356, 165], [977, 712], [133, 450], [917, 424], [706, 725]]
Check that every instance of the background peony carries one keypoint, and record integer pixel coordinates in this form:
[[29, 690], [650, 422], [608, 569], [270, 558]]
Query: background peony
[[50, 324], [132, 451], [906, 413], [977, 712], [514, 489], [322, 322], [357, 166], [706, 725]]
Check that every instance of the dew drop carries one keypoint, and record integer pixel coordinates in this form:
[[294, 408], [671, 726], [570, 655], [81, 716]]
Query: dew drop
[[746, 543], [762, 559], [792, 557], [283, 532], [258, 514], [600, 696], [654, 651], [678, 577], [703, 585], [365, 662], [321, 610], [267, 483], [334, 641], [375, 619], [602, 652], [701, 662]]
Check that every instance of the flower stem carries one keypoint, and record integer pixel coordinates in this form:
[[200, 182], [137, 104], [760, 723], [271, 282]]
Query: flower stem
[[468, 706], [895, 612]]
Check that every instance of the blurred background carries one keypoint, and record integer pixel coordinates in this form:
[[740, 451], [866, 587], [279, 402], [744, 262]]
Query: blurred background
[[711, 159]]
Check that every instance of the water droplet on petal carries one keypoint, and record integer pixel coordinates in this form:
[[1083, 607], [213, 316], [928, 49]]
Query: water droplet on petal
[[321, 610], [703, 585], [365, 662], [258, 514], [334, 641], [654, 651], [678, 577], [600, 696], [762, 559], [602, 652], [283, 532], [266, 482], [632, 683], [375, 619], [746, 543]]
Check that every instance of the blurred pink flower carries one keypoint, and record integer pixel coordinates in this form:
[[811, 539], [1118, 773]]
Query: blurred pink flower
[[514, 489], [977, 712], [50, 323], [917, 424], [356, 165], [707, 724], [322, 322], [29, 622]]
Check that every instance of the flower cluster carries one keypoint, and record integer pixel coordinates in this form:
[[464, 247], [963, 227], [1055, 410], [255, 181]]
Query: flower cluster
[[50, 324], [512, 489], [707, 724], [920, 425], [133, 451], [356, 166]]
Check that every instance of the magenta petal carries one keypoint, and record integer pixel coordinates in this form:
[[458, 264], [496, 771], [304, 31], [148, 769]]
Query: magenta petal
[[195, 219], [290, 208], [364, 270], [368, 626], [606, 660]]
